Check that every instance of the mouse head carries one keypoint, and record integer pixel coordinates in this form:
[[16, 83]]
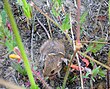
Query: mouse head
[[52, 65]]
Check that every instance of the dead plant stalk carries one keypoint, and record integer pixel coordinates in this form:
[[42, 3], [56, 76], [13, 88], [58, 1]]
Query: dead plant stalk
[[78, 20], [78, 39]]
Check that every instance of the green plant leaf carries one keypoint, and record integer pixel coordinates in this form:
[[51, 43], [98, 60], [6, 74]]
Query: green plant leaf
[[59, 2], [89, 48], [83, 17], [18, 67], [58, 88], [66, 23], [97, 48], [92, 78], [92, 63], [87, 75], [72, 79], [10, 42], [1, 32], [0, 21], [7, 33], [9, 45], [102, 73], [27, 10], [54, 12], [94, 47], [4, 16], [95, 71]]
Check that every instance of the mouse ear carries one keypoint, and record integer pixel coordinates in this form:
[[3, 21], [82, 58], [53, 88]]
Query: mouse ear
[[61, 53], [65, 60], [51, 54]]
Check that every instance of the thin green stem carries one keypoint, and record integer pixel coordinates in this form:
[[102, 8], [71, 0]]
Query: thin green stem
[[20, 44], [68, 70]]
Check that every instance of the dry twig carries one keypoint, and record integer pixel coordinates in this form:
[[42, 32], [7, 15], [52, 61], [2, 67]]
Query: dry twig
[[44, 28]]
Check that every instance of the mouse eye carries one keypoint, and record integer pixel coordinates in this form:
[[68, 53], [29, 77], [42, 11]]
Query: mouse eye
[[43, 66], [52, 72]]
